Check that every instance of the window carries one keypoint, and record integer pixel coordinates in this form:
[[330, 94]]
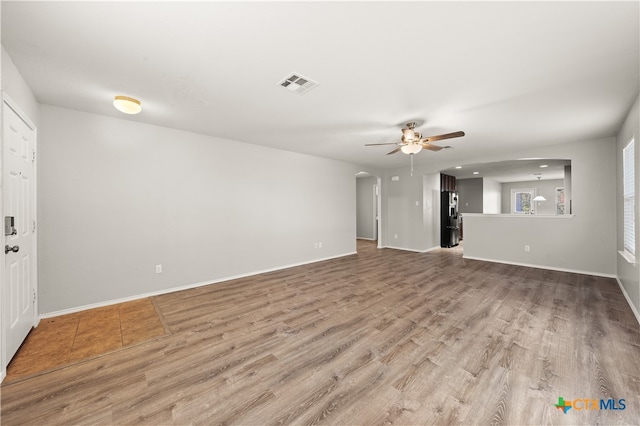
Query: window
[[628, 193], [521, 201]]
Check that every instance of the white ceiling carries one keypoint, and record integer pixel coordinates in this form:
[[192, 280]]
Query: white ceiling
[[509, 74], [519, 170]]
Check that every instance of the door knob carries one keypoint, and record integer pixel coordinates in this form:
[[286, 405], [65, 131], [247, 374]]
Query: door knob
[[14, 249]]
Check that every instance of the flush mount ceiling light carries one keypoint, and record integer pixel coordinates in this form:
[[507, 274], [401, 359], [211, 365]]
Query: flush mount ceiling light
[[127, 104]]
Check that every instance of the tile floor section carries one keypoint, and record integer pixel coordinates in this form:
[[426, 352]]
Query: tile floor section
[[66, 339]]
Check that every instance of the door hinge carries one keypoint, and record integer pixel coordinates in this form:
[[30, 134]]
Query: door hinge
[[34, 295], [33, 229], [33, 158]]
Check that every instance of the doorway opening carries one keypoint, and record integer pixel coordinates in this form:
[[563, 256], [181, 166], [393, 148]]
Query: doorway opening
[[368, 208]]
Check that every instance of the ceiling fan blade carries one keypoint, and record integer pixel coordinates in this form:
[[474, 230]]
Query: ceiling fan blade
[[445, 136], [394, 151], [374, 144], [430, 147]]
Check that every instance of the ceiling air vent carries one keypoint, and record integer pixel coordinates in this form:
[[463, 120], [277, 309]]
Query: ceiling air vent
[[296, 83]]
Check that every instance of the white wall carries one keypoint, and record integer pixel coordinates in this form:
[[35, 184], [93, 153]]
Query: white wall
[[17, 88], [491, 196], [628, 273], [119, 197], [365, 208]]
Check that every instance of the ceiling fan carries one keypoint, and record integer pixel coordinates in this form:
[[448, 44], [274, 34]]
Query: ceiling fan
[[412, 142]]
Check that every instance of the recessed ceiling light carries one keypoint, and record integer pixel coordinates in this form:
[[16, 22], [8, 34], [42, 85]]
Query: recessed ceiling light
[[127, 104], [458, 167], [543, 166], [476, 173]]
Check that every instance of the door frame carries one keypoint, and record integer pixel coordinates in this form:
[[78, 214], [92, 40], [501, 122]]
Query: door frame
[[376, 206], [374, 224], [378, 210], [7, 102]]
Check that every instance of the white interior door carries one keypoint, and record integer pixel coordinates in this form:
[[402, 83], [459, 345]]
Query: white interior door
[[18, 181]]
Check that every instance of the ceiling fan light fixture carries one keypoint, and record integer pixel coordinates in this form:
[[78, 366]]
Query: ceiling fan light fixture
[[408, 134], [412, 148], [127, 104]]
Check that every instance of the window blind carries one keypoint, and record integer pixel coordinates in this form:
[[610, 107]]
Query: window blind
[[628, 189]]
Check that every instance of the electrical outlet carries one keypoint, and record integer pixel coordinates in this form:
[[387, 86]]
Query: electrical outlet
[[527, 248], [320, 244], [158, 269], [315, 245], [395, 236]]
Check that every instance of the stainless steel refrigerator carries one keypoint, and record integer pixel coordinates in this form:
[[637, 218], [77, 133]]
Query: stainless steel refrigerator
[[449, 219]]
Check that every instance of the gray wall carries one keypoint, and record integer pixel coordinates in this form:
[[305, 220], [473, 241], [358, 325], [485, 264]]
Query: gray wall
[[470, 192], [628, 273], [100, 142], [479, 195], [589, 235], [547, 189], [431, 211], [567, 190], [119, 197], [365, 208], [3, 338], [411, 209], [584, 243]]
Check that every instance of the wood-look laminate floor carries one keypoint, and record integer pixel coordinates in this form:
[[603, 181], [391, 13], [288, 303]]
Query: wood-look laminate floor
[[381, 337]]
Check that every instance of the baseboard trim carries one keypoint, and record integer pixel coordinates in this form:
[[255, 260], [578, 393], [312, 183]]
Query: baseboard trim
[[626, 296], [366, 239], [550, 268], [412, 250], [431, 249], [183, 287]]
